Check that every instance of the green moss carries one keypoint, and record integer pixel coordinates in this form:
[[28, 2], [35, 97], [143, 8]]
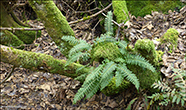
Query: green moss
[[111, 89], [146, 48], [85, 18], [120, 6], [10, 39], [145, 76], [105, 51], [55, 23], [170, 37], [144, 7]]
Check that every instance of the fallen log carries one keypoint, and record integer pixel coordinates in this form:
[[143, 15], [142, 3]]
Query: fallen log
[[39, 62]]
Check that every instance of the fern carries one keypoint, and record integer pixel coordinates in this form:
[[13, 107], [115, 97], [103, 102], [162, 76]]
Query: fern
[[107, 74], [125, 72], [174, 93], [80, 47], [108, 23], [71, 39], [100, 77], [140, 61]]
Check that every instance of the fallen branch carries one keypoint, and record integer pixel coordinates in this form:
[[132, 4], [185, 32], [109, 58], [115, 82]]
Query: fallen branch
[[40, 62], [85, 18], [21, 29]]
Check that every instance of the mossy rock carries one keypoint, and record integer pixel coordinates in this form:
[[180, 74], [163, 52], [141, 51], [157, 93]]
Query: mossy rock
[[146, 48], [170, 37], [111, 89], [105, 51], [145, 76]]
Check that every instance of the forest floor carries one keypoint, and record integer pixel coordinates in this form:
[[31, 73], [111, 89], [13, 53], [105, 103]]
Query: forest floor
[[26, 89]]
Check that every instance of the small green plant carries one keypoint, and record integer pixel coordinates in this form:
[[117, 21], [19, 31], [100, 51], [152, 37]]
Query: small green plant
[[101, 76], [171, 91]]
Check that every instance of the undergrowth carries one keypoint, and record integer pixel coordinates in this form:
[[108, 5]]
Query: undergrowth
[[101, 76], [171, 91]]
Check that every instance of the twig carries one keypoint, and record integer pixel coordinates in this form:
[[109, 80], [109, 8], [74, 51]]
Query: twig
[[9, 74], [22, 29], [72, 22]]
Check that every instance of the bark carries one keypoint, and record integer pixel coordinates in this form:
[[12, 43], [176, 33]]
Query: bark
[[54, 22], [39, 62], [7, 21]]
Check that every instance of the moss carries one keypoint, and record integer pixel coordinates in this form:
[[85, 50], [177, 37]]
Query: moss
[[111, 89], [144, 7], [55, 23], [120, 6], [170, 37], [145, 76], [19, 36], [105, 51], [10, 39], [85, 18], [146, 48]]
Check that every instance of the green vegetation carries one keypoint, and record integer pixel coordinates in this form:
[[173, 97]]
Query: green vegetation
[[170, 38], [112, 70], [171, 91], [120, 10], [144, 7]]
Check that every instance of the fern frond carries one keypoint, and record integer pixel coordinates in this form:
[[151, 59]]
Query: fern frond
[[105, 39], [122, 45], [79, 47], [108, 23], [95, 73], [122, 69], [140, 61], [162, 86], [107, 74], [76, 56], [88, 88], [71, 39], [119, 78]]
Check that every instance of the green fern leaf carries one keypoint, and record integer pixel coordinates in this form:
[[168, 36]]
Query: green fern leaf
[[108, 22], [89, 88], [128, 74], [95, 73], [75, 57], [119, 78], [140, 61], [107, 74], [79, 47], [71, 39], [105, 39]]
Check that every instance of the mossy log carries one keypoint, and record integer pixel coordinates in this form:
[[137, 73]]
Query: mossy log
[[7, 21], [54, 22], [120, 10], [39, 62]]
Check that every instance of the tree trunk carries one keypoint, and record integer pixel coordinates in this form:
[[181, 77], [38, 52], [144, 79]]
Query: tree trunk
[[39, 62], [6, 21], [54, 22]]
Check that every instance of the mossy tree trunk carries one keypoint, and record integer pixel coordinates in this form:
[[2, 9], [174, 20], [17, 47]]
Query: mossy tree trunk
[[39, 62], [120, 10], [18, 37], [54, 22]]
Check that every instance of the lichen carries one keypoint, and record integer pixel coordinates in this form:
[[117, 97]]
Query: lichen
[[170, 38]]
